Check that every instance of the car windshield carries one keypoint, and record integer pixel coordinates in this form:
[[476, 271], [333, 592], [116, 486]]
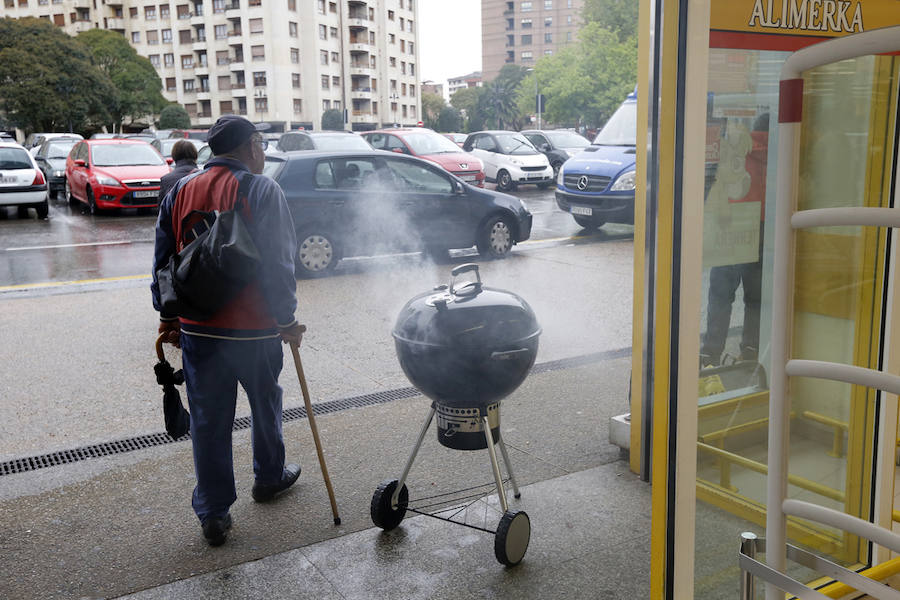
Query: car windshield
[[567, 139], [621, 129], [429, 143], [351, 141], [60, 149], [120, 155], [14, 158], [514, 143]]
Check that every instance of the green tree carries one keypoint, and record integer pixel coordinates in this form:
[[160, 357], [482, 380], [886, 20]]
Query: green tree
[[174, 116], [431, 109], [333, 119], [137, 85], [449, 120], [48, 81], [468, 101], [617, 16]]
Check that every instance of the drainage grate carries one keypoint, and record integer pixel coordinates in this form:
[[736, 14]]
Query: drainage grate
[[63, 457]]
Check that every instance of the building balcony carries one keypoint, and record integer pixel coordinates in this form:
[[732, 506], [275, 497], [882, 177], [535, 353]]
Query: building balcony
[[359, 48], [363, 70], [233, 11], [363, 93], [201, 69], [358, 22], [81, 4], [199, 44], [357, 3], [235, 33], [203, 94], [198, 19], [239, 91], [115, 23], [362, 116], [79, 26], [237, 64]]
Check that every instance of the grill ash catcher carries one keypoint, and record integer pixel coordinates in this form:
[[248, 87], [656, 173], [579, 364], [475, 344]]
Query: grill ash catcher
[[466, 347]]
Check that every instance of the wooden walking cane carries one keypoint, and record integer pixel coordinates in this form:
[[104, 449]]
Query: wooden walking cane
[[312, 425]]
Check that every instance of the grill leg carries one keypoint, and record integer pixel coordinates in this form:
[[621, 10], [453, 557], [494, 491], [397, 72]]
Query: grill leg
[[395, 498], [501, 492], [509, 470]]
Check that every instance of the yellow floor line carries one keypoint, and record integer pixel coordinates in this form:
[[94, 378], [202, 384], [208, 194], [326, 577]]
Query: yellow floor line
[[48, 284]]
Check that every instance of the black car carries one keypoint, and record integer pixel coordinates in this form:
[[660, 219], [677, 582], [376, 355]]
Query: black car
[[369, 202], [558, 145], [51, 158], [319, 140]]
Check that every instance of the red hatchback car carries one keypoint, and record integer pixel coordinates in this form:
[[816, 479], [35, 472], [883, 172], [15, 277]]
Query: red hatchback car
[[117, 173], [425, 143]]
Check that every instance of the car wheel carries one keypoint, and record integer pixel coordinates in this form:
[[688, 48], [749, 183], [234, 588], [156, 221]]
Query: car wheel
[[496, 238], [43, 209], [588, 222], [92, 203], [70, 197], [504, 181], [317, 254]]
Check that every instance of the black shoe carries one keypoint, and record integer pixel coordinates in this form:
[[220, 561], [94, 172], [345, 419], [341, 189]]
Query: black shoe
[[215, 529], [264, 493]]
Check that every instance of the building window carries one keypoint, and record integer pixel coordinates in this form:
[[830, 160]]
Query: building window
[[218, 6], [295, 56], [292, 5], [184, 36], [292, 29], [133, 12], [298, 106], [402, 45], [333, 32], [548, 52], [222, 56], [323, 57], [183, 11], [390, 15], [335, 81], [411, 48], [150, 13], [326, 104], [321, 4], [409, 26], [548, 22], [510, 41], [224, 82], [526, 23], [254, 2], [392, 39], [568, 19], [256, 25], [225, 107], [257, 53], [220, 32], [568, 36], [259, 78], [526, 40], [412, 111], [412, 69], [402, 24], [170, 84], [335, 58], [295, 80], [404, 111], [154, 60], [189, 85], [323, 32], [167, 36], [412, 90], [548, 38], [527, 55], [525, 6], [402, 67], [169, 60], [326, 82], [261, 104], [332, 7], [201, 34], [187, 61], [135, 37], [568, 3], [548, 4], [402, 89], [163, 11]]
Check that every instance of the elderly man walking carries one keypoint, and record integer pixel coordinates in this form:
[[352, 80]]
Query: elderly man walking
[[240, 343]]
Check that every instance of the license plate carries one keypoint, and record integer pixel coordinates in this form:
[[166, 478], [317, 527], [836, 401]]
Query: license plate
[[8, 179], [581, 210], [146, 193], [468, 177]]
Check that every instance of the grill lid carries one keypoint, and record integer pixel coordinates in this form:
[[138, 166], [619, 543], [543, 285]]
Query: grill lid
[[466, 315]]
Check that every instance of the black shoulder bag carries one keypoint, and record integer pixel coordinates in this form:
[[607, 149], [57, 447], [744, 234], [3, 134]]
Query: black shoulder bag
[[214, 267]]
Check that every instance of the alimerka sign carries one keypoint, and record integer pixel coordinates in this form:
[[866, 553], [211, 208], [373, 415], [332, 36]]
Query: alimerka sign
[[794, 23]]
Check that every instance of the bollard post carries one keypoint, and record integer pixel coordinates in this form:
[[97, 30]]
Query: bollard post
[[748, 549]]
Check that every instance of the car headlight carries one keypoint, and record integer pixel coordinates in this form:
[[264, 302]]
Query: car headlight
[[625, 183], [559, 177], [107, 180], [59, 173], [515, 161]]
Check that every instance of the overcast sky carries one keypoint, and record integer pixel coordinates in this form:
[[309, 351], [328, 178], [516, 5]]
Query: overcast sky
[[449, 38]]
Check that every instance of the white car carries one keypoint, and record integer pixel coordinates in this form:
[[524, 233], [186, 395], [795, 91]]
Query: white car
[[33, 142], [22, 183], [509, 159]]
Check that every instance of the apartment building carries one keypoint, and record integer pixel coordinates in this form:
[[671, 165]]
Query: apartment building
[[522, 31], [283, 62], [454, 84]]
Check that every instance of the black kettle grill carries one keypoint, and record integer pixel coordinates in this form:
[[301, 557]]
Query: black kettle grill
[[466, 346]]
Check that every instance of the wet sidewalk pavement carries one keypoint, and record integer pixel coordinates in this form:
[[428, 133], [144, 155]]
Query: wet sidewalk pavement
[[122, 526]]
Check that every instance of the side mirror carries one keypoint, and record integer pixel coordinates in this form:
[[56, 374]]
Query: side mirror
[[544, 148], [459, 188], [79, 162]]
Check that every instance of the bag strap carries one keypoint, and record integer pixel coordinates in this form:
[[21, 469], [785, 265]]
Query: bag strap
[[207, 218]]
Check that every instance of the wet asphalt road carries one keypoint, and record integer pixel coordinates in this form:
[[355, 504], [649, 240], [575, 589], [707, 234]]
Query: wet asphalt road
[[72, 245]]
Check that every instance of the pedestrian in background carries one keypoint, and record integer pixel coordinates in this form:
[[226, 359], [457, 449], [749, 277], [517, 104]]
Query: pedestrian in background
[[240, 343], [185, 156]]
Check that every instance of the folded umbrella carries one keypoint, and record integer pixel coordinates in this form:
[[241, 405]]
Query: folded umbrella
[[177, 419]]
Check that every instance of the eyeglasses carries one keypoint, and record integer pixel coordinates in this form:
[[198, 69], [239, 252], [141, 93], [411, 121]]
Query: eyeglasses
[[263, 142]]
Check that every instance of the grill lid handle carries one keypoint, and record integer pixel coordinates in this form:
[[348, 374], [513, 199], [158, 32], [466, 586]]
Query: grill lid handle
[[469, 288]]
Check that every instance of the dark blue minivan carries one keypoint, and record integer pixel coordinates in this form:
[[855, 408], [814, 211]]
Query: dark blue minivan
[[597, 185]]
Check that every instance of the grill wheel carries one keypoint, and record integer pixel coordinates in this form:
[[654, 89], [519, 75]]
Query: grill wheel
[[383, 514]]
